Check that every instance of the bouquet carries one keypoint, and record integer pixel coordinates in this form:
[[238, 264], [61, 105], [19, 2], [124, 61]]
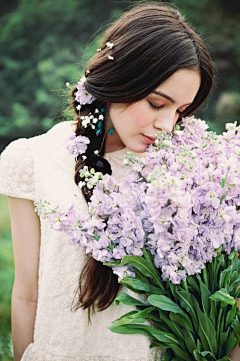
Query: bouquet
[[171, 232]]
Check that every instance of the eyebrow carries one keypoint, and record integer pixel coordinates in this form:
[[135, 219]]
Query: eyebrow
[[158, 92]]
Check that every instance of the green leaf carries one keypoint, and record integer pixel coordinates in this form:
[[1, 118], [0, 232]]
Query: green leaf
[[162, 336], [126, 330], [127, 300], [225, 358], [173, 327], [181, 321], [236, 330], [168, 356], [213, 311], [136, 316], [206, 331], [231, 314], [224, 337], [231, 343], [234, 283], [224, 277], [205, 294], [139, 286], [144, 267], [186, 302], [191, 281], [209, 356], [236, 264], [223, 296], [165, 304]]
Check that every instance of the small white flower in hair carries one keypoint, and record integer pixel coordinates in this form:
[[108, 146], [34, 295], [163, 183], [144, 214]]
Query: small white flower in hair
[[81, 184], [84, 157], [96, 151], [110, 45], [68, 84], [110, 57], [101, 117], [87, 71], [78, 107], [98, 50]]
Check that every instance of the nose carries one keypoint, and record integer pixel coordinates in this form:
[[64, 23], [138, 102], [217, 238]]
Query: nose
[[166, 121]]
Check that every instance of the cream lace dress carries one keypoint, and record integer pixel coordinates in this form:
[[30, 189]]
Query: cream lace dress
[[40, 168]]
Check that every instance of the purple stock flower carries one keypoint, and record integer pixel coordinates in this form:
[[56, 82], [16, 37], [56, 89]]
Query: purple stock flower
[[76, 144], [82, 96]]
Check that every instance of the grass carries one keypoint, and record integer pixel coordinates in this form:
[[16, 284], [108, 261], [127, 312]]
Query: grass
[[6, 282]]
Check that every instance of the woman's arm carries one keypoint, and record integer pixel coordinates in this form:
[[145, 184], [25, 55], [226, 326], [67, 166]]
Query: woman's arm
[[26, 240]]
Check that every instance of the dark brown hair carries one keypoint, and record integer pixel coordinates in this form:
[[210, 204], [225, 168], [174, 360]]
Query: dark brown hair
[[151, 42]]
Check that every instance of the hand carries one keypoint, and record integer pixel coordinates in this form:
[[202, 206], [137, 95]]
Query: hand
[[235, 354]]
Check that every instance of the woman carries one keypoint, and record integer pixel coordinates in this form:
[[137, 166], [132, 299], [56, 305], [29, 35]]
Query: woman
[[151, 69]]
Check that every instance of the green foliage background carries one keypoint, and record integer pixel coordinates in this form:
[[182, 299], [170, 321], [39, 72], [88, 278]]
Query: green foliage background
[[43, 45]]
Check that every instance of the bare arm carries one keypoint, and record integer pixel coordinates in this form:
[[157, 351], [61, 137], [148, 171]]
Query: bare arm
[[26, 240]]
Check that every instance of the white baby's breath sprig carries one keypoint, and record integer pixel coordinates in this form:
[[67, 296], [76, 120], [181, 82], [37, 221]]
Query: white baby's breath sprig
[[110, 57], [90, 178], [109, 45]]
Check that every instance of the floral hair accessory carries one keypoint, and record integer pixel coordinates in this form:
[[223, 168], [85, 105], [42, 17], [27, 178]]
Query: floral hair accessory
[[109, 45], [76, 144], [110, 57], [94, 120], [90, 178], [82, 96]]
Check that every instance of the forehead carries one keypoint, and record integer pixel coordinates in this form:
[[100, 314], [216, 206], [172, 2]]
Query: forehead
[[182, 86]]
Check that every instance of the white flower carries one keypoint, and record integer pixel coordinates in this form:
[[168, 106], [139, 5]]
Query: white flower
[[87, 71], [68, 84], [96, 151], [110, 45], [98, 50], [84, 157], [78, 107], [110, 57], [101, 117], [81, 184]]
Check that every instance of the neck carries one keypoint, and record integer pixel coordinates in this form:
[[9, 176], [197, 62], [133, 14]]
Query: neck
[[113, 143]]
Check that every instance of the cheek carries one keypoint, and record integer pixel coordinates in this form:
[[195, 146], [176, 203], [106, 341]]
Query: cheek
[[140, 116]]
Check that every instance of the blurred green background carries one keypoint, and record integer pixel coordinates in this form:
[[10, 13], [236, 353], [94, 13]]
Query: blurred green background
[[43, 46]]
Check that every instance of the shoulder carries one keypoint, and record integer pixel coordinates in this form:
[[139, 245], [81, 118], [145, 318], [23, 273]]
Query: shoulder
[[16, 150]]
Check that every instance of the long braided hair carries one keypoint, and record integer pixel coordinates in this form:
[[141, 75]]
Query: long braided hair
[[151, 42]]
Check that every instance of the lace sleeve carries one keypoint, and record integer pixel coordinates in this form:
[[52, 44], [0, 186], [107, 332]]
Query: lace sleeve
[[17, 171]]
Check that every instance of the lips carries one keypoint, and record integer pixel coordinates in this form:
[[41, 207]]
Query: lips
[[148, 140]]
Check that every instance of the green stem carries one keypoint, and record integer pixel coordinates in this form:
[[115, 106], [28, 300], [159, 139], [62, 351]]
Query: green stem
[[205, 277], [185, 286]]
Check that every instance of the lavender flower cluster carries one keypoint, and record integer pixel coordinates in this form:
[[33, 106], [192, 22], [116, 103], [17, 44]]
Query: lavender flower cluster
[[181, 201]]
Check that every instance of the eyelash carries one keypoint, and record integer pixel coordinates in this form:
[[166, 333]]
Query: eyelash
[[154, 107]]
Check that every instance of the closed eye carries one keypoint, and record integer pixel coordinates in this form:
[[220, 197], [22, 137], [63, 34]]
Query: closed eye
[[154, 107]]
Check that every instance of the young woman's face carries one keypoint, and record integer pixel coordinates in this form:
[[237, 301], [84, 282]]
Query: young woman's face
[[136, 124]]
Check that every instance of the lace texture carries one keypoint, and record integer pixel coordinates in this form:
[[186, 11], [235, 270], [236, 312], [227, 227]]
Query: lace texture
[[61, 334], [17, 171], [38, 355]]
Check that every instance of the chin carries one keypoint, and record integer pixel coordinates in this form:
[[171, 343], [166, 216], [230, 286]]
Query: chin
[[138, 149]]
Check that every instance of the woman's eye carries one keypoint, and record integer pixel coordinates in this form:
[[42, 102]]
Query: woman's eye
[[155, 107]]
